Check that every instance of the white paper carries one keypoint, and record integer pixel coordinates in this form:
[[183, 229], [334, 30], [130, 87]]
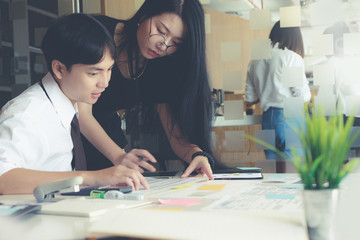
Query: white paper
[[260, 19], [294, 107], [290, 16], [260, 49], [322, 45], [324, 74], [232, 80], [233, 110], [230, 51], [234, 141], [292, 76], [351, 43]]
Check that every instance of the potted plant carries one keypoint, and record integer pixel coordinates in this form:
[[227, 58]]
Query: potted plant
[[326, 142]]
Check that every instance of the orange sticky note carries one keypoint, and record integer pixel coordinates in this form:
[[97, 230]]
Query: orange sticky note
[[212, 187]]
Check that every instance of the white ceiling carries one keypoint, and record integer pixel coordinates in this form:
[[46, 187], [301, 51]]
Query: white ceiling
[[242, 8]]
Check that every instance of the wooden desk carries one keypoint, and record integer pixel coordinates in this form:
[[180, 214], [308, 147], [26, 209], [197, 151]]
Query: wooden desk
[[213, 218]]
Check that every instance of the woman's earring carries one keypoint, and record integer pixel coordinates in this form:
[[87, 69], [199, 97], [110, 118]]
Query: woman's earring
[[138, 24]]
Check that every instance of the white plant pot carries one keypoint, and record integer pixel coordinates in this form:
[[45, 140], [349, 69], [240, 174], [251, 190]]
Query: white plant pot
[[320, 208]]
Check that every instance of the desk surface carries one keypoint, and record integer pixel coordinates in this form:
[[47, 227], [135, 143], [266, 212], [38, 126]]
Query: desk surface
[[228, 209]]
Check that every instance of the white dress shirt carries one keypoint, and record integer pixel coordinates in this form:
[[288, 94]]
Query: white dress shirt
[[264, 81], [35, 132]]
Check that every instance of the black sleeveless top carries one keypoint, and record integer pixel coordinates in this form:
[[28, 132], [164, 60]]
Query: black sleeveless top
[[155, 85]]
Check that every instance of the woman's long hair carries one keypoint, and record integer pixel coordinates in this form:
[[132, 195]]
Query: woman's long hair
[[190, 106], [287, 37]]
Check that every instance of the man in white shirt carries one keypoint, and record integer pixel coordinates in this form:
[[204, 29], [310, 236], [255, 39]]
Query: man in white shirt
[[35, 141]]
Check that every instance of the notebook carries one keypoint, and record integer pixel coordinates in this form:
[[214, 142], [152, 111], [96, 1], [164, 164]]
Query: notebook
[[88, 207]]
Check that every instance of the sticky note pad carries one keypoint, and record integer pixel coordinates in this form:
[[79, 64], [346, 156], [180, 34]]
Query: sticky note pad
[[166, 208], [294, 107], [327, 12], [326, 102], [292, 76], [322, 45], [351, 43], [354, 130], [92, 7], [184, 186], [260, 49], [280, 196], [207, 23], [230, 51], [260, 19], [267, 135], [234, 141], [180, 201], [7, 211], [352, 105], [290, 16], [212, 187], [248, 168], [232, 80], [233, 110], [292, 139], [324, 74], [294, 186], [280, 176]]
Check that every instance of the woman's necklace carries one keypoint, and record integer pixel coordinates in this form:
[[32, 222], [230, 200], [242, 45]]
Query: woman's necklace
[[131, 75]]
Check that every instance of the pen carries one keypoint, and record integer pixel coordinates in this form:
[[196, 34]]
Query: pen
[[114, 194]]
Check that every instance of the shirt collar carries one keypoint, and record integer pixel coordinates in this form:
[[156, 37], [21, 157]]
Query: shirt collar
[[60, 101]]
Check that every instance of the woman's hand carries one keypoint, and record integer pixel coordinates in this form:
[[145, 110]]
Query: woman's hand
[[137, 159], [116, 176], [199, 164]]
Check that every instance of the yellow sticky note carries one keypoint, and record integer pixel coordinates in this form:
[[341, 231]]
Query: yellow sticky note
[[290, 16], [183, 186], [212, 187]]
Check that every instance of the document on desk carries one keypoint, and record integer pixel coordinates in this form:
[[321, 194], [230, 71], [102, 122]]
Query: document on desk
[[88, 207], [195, 225], [261, 198], [237, 176], [164, 184]]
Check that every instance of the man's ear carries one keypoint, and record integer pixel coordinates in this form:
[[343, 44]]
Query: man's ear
[[58, 68]]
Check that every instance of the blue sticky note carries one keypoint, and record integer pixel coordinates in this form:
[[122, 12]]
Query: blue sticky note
[[248, 168], [280, 176], [7, 211], [280, 196], [294, 186]]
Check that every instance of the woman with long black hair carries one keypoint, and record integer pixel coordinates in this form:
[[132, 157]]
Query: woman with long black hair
[[160, 80]]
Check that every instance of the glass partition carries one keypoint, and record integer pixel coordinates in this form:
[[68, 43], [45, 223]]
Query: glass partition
[[237, 33]]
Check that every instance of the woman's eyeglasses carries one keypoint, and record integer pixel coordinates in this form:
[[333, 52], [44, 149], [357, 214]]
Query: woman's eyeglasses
[[159, 38]]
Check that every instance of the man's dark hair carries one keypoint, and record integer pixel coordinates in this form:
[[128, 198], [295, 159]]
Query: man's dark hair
[[76, 39]]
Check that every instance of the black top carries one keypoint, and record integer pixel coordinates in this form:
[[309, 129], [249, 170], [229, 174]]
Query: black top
[[122, 93]]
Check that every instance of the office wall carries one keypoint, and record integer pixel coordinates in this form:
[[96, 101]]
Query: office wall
[[228, 36]]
